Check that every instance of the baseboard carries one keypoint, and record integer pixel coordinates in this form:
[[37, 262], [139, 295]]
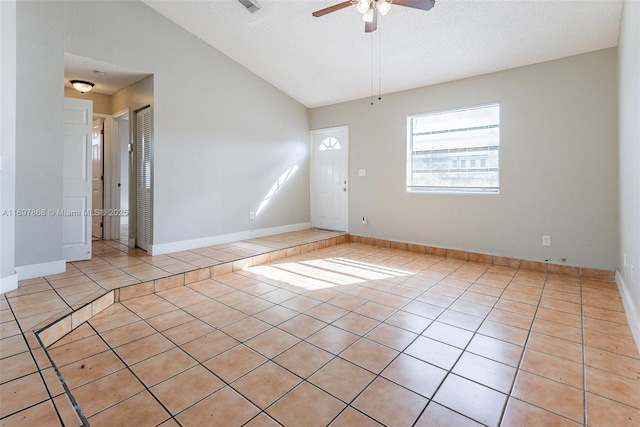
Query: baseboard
[[185, 245], [42, 269], [631, 310], [8, 283]]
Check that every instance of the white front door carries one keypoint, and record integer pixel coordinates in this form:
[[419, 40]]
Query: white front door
[[97, 178], [77, 177], [330, 164]]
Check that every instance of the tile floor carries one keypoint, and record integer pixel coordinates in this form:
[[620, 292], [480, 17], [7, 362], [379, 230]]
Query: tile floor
[[30, 392], [354, 335]]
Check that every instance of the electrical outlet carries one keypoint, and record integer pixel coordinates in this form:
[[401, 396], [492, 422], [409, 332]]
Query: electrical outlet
[[546, 240], [364, 219]]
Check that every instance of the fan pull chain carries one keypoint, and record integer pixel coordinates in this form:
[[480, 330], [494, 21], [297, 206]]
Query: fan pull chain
[[379, 65], [371, 69]]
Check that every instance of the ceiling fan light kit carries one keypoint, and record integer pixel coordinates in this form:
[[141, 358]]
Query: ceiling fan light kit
[[370, 9]]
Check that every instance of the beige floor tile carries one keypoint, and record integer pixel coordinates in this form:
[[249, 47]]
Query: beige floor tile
[[143, 348], [614, 387], [356, 323], [554, 368], [326, 312], [185, 389], [246, 328], [390, 404], [332, 339], [485, 371], [303, 359], [188, 331], [42, 414], [276, 315], [414, 374], [434, 352], [410, 322], [612, 362], [223, 408], [351, 417], [369, 355], [234, 363], [279, 381], [21, 393], [550, 395], [139, 410], [519, 413], [17, 366], [262, 420], [91, 368], [306, 405], [78, 350], [209, 345], [473, 400], [342, 379], [162, 366], [448, 334], [272, 342], [603, 412], [107, 391], [223, 317], [555, 346], [127, 333], [438, 415]]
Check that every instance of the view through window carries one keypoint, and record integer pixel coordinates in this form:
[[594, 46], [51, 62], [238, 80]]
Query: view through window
[[455, 151]]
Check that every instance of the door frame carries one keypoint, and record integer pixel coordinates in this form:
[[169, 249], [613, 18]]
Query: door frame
[[105, 162], [112, 174], [312, 172]]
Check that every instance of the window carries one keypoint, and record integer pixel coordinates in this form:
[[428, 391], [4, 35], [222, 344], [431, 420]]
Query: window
[[330, 143], [439, 142]]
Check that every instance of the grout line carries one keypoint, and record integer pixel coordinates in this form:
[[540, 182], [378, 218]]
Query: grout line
[[524, 351], [67, 391], [584, 359]]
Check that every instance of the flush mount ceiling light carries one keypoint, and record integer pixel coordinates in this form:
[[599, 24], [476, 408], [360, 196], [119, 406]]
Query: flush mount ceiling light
[[81, 85], [370, 9]]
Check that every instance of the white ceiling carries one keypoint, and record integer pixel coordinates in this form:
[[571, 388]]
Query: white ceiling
[[116, 77], [320, 61]]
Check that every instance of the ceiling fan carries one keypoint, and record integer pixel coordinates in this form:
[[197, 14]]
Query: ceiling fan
[[370, 9]]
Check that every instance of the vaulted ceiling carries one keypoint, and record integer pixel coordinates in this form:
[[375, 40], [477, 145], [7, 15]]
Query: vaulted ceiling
[[326, 60]]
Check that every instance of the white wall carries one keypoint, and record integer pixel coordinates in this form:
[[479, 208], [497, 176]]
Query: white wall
[[8, 278], [39, 143], [222, 136], [558, 165], [629, 93]]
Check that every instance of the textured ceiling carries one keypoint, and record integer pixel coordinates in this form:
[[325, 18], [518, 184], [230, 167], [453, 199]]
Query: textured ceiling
[[320, 61], [116, 77]]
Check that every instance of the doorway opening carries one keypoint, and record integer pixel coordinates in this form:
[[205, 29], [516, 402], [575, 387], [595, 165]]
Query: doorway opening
[[97, 178]]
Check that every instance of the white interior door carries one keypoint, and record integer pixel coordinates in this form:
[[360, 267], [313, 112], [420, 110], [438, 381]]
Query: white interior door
[[330, 163], [143, 178], [97, 177], [77, 178]]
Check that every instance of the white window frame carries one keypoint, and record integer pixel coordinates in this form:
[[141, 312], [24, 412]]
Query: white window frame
[[411, 188]]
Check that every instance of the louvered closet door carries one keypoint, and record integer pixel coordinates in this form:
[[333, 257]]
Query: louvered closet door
[[143, 155]]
